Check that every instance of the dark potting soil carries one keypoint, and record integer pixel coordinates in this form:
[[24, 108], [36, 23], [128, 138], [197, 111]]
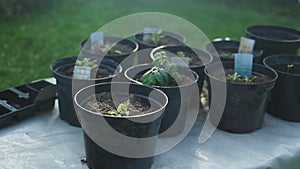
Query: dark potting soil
[[254, 78], [116, 49], [291, 69], [101, 73], [196, 61], [120, 47], [102, 103], [162, 41]]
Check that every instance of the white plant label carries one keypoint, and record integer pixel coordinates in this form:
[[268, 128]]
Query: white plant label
[[243, 64], [246, 45], [82, 72]]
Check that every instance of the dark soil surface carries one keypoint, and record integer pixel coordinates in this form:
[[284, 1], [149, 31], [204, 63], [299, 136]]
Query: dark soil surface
[[101, 73], [162, 41], [254, 79], [102, 103], [195, 59], [293, 69], [123, 48], [120, 47]]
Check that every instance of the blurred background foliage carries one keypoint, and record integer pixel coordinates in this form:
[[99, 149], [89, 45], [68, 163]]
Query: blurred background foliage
[[34, 33]]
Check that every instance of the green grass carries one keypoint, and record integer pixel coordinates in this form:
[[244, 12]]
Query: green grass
[[29, 43]]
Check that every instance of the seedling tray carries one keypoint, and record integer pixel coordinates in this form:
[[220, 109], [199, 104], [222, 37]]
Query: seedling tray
[[20, 102]]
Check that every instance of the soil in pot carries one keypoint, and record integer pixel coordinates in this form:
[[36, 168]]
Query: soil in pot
[[100, 72], [246, 97], [285, 97], [110, 49], [115, 48], [103, 103], [226, 50], [233, 77], [166, 38], [146, 45]]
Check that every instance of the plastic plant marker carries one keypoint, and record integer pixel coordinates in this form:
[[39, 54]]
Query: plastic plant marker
[[246, 45], [148, 32], [243, 64], [82, 72]]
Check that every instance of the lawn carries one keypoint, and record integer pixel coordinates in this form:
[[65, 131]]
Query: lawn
[[31, 41]]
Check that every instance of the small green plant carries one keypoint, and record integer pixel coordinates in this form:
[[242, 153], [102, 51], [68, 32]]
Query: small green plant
[[226, 54], [122, 110], [182, 55], [247, 79], [155, 37], [237, 77], [109, 47], [289, 67], [233, 77], [86, 62], [163, 73]]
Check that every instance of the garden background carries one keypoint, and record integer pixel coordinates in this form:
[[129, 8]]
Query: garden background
[[34, 33]]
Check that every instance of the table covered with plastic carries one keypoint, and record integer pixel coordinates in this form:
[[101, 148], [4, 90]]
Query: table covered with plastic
[[45, 141]]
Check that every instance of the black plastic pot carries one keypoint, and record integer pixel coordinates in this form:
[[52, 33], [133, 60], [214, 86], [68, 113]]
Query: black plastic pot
[[285, 97], [86, 50], [273, 39], [205, 57], [179, 102], [97, 135], [231, 46], [245, 104], [66, 85], [145, 48]]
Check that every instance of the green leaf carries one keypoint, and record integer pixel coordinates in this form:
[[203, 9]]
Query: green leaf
[[112, 112], [159, 77]]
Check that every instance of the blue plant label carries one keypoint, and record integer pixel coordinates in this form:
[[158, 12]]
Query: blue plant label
[[97, 38], [243, 64], [148, 32], [246, 45], [81, 72]]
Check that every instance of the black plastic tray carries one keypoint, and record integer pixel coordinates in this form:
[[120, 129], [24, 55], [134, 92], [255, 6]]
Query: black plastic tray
[[17, 103]]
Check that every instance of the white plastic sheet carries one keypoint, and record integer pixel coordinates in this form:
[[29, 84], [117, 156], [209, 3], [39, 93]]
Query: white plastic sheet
[[45, 141]]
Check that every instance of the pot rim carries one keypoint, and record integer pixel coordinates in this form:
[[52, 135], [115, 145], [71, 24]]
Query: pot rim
[[158, 87], [244, 84], [192, 48], [279, 71], [274, 27], [70, 58], [162, 107]]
